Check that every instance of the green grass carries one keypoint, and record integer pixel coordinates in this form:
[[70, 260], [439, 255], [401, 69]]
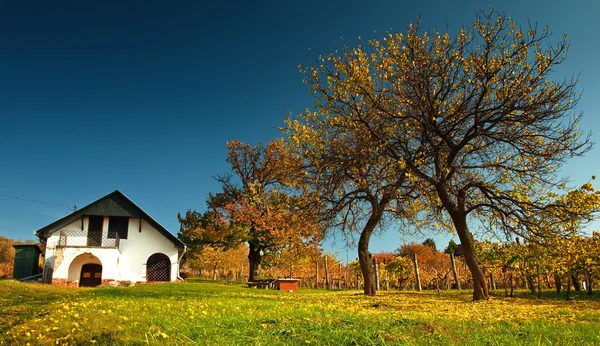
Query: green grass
[[226, 314]]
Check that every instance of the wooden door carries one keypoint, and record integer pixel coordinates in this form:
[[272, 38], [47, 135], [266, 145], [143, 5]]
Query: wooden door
[[95, 231], [91, 275]]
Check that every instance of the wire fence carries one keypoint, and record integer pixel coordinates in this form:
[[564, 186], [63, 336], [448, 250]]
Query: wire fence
[[87, 239]]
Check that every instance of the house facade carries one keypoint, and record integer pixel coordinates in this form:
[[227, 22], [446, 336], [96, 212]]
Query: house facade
[[111, 239]]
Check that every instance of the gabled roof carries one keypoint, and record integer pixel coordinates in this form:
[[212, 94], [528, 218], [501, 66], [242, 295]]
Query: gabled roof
[[113, 204]]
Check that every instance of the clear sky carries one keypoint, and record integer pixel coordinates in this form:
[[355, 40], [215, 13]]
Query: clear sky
[[141, 96]]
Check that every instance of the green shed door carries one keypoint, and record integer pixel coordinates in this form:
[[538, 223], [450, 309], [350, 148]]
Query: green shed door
[[26, 261]]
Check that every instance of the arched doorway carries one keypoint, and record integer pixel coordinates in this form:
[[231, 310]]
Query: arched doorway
[[87, 269], [91, 275], [158, 268]]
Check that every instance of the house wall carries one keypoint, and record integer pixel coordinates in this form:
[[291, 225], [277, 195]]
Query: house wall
[[138, 246], [128, 262]]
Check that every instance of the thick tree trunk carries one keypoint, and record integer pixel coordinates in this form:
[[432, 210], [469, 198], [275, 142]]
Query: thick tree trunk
[[459, 219], [366, 267], [480, 290], [364, 257], [254, 258]]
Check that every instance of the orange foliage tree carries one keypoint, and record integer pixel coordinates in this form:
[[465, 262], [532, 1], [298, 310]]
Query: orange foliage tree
[[433, 265], [259, 206]]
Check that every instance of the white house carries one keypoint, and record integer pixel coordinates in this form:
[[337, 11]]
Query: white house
[[111, 239]]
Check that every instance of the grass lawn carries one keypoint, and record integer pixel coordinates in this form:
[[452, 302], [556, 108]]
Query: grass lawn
[[220, 314]]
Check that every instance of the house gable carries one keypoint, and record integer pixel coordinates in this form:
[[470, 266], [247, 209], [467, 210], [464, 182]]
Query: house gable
[[113, 204]]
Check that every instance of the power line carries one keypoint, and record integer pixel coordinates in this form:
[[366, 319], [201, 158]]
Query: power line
[[36, 201]]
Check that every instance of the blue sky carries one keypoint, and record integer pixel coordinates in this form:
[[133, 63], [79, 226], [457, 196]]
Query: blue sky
[[142, 96]]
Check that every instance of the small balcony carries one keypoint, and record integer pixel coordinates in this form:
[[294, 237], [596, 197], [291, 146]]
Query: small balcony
[[87, 239]]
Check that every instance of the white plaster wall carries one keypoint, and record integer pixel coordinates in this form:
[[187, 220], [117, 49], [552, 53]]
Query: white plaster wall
[[70, 266], [138, 246], [128, 262]]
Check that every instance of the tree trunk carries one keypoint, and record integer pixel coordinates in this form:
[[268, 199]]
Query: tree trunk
[[339, 276], [492, 281], [364, 257], [254, 258], [417, 276], [512, 286], [215, 271], [557, 282], [317, 276], [576, 284], [366, 267], [588, 281], [569, 277], [459, 219], [504, 281], [326, 274], [530, 283], [539, 282], [480, 290], [454, 271], [525, 281]]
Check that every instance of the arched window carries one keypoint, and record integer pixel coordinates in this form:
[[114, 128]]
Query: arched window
[[158, 268]]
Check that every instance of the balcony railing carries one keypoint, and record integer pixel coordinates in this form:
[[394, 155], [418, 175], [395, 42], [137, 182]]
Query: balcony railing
[[87, 239]]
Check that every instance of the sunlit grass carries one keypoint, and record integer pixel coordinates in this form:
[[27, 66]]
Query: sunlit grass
[[213, 314]]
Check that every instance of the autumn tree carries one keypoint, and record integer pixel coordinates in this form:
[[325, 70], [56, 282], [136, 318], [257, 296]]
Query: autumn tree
[[475, 119], [218, 261], [401, 269], [257, 205], [358, 185], [451, 247], [294, 261], [7, 255], [431, 243], [433, 265], [210, 228]]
